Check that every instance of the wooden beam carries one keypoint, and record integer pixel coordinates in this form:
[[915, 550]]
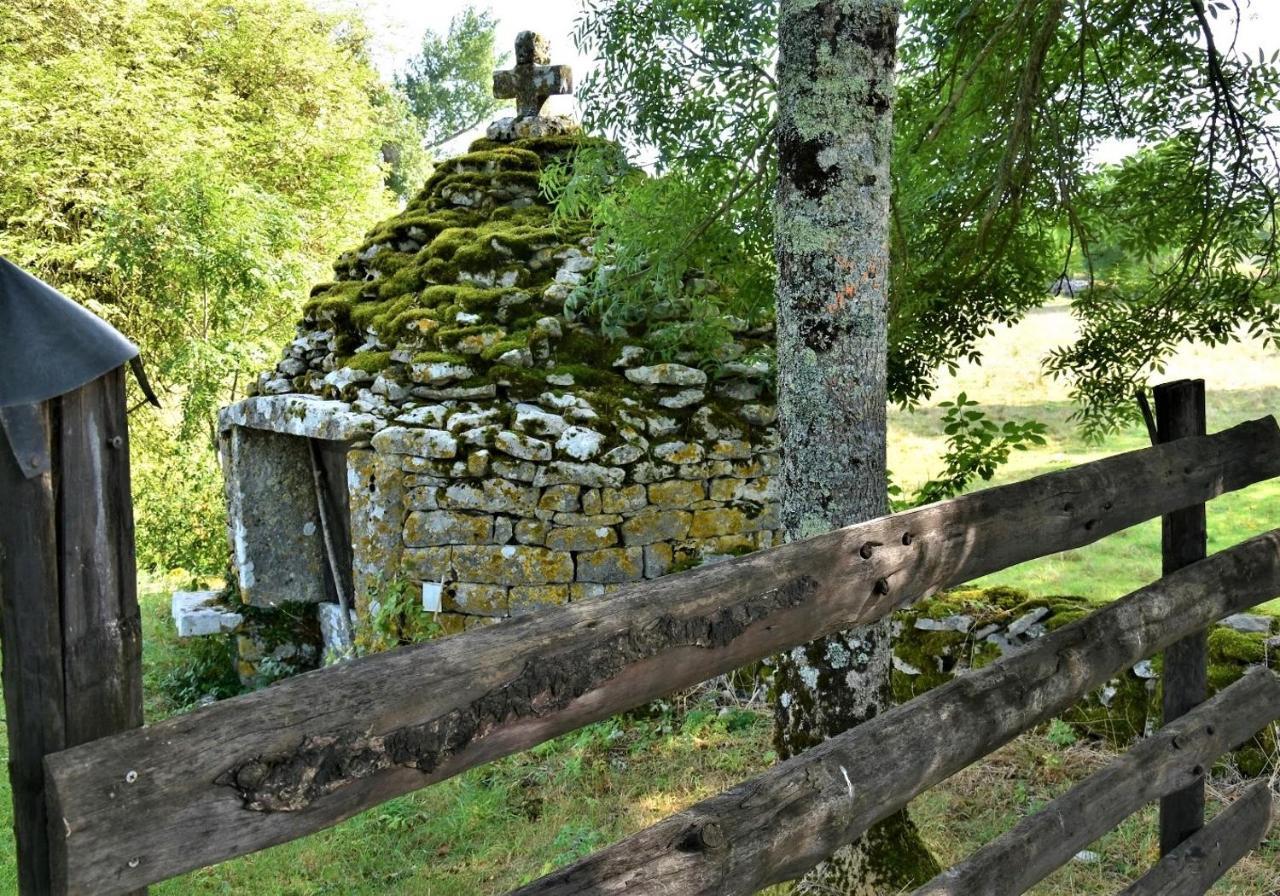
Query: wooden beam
[[101, 624], [1177, 754], [308, 752], [29, 624], [777, 826], [1180, 414], [68, 599], [1197, 863]]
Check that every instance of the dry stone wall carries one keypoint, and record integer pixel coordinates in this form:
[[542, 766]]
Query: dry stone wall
[[503, 452]]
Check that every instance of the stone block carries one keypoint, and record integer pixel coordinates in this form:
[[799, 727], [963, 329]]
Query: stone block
[[623, 455], [627, 499], [682, 399], [515, 470], [431, 415], [377, 490], [611, 565], [512, 565], [276, 546], [440, 373], [423, 498], [535, 421], [432, 443], [648, 472], [503, 530], [491, 496], [586, 519], [585, 591], [727, 489], [476, 599], [560, 498], [591, 503], [195, 614], [478, 463], [581, 538], [299, 415], [532, 532], [591, 475], [730, 449], [679, 452], [676, 493], [522, 446], [657, 560], [524, 598], [725, 521], [438, 527], [424, 466], [758, 414], [666, 375], [723, 546], [580, 443], [652, 525], [427, 564]]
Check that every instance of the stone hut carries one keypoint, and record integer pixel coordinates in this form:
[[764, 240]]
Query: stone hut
[[442, 428]]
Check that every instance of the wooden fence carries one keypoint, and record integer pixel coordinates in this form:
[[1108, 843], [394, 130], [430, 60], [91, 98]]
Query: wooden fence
[[271, 766]]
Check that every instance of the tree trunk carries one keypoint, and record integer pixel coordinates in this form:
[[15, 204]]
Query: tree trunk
[[835, 92]]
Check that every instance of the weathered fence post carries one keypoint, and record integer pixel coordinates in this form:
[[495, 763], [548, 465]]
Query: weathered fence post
[[1180, 412], [68, 595]]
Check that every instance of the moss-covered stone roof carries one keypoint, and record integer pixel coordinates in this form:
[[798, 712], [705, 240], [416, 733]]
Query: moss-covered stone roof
[[465, 289]]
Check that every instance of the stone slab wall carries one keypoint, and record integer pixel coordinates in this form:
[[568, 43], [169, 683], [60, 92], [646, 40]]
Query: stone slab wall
[[506, 520]]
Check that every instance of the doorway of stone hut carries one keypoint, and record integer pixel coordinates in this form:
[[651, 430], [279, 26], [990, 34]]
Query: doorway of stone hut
[[289, 516]]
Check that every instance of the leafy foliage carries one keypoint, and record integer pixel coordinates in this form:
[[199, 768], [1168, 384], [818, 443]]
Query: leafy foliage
[[688, 253], [209, 157], [397, 618], [976, 447], [449, 83], [203, 670], [1000, 108]]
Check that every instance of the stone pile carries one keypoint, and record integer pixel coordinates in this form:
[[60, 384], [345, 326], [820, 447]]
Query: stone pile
[[940, 638], [503, 453]]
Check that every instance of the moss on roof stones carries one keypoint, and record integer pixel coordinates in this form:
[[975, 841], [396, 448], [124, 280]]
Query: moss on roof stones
[[468, 273]]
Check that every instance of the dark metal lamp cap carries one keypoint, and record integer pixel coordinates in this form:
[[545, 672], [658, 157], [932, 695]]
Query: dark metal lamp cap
[[49, 345]]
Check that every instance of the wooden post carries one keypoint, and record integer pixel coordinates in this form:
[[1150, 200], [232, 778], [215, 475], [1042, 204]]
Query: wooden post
[[1180, 412], [68, 601]]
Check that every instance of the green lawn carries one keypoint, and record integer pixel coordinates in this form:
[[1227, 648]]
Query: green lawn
[[1242, 382], [493, 828]]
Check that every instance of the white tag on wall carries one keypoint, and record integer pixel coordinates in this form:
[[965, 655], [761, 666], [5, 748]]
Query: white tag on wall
[[431, 594]]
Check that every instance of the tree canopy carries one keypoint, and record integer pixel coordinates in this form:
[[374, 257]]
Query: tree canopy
[[449, 82], [997, 191], [182, 168]]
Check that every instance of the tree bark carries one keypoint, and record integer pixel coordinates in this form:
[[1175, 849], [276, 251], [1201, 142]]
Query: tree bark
[[835, 94]]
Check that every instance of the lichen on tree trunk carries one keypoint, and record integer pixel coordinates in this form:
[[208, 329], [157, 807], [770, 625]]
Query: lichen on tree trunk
[[835, 93]]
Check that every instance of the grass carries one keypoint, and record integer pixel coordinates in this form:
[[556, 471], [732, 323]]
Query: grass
[[1242, 382], [494, 828]]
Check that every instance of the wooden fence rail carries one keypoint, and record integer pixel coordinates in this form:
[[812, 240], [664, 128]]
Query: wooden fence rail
[[1176, 755], [307, 753], [1197, 863], [777, 826]]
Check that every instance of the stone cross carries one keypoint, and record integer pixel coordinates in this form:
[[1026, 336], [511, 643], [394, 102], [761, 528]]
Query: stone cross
[[533, 79]]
